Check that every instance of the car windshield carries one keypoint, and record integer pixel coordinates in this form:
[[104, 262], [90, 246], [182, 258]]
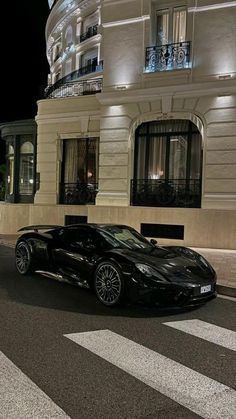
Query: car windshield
[[124, 237]]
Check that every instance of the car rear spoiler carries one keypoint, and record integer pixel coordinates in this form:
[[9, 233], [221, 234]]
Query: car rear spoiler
[[37, 227]]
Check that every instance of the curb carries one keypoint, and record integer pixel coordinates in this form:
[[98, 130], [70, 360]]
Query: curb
[[224, 290]]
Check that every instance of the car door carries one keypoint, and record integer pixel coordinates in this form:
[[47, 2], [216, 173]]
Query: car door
[[75, 251]]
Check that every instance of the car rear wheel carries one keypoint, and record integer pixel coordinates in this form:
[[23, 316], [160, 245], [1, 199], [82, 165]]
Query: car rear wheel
[[109, 284], [23, 258]]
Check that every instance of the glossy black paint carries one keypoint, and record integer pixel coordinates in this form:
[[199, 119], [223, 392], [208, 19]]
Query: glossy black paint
[[149, 273]]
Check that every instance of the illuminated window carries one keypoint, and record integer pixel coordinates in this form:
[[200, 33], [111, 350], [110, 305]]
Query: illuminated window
[[26, 171], [171, 25], [69, 36], [168, 150], [80, 161]]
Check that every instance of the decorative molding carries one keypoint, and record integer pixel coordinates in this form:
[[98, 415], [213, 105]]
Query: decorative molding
[[126, 21], [212, 7]]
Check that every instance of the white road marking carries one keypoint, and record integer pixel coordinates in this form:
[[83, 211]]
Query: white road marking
[[21, 398], [207, 331], [200, 394]]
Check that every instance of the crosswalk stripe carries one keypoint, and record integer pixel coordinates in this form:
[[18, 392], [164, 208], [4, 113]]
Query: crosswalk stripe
[[200, 394], [21, 398], [207, 331]]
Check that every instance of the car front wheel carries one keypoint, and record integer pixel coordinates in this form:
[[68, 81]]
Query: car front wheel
[[109, 284], [23, 258]]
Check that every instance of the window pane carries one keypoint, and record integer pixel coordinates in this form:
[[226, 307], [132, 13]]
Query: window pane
[[179, 25], [141, 156], [157, 153], [162, 27], [10, 175], [26, 174], [81, 160], [27, 147], [178, 157], [195, 164]]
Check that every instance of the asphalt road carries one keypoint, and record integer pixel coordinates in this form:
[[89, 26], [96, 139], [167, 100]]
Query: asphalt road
[[107, 381]]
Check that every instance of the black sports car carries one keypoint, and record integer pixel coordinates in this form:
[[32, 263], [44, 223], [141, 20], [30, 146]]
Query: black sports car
[[116, 262]]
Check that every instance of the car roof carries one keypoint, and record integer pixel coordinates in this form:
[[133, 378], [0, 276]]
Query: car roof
[[50, 228], [94, 225]]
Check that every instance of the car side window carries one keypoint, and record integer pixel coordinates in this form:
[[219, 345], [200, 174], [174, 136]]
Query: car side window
[[78, 237]]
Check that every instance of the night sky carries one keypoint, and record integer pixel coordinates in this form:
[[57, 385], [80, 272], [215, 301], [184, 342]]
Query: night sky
[[24, 66]]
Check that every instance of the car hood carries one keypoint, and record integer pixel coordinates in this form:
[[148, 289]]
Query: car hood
[[173, 266]]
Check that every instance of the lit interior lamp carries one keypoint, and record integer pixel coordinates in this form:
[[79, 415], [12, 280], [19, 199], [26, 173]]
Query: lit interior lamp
[[121, 87], [157, 175]]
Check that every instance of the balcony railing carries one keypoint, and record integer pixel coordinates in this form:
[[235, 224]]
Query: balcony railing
[[76, 88], [93, 30], [74, 76], [182, 193], [78, 193], [167, 57]]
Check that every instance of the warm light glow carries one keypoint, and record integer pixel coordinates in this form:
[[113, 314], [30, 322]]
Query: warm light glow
[[125, 21], [121, 87]]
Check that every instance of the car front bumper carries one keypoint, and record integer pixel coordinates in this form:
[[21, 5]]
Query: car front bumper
[[171, 294]]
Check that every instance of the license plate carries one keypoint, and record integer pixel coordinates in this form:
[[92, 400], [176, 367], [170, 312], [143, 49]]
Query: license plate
[[206, 288]]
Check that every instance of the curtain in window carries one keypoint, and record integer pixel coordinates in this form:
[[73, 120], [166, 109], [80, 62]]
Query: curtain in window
[[71, 161], [157, 153], [141, 157], [162, 27], [81, 160], [26, 171], [178, 157], [69, 35], [195, 162], [179, 25], [168, 150]]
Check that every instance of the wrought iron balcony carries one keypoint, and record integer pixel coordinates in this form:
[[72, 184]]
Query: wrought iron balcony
[[78, 193], [167, 57], [93, 30], [76, 88], [182, 193], [88, 86]]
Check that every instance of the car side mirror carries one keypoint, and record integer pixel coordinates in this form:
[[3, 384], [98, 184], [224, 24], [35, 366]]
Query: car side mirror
[[153, 242]]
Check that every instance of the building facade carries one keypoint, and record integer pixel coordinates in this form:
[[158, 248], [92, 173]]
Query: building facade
[[138, 125]]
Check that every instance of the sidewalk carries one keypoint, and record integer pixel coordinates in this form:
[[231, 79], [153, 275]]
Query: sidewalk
[[222, 260]]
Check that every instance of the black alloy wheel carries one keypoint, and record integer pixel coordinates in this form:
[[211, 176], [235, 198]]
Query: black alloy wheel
[[109, 284], [23, 258]]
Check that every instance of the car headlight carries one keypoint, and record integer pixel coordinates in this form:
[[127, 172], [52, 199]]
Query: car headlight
[[149, 272]]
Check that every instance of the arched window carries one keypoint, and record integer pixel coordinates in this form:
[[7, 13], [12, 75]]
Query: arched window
[[26, 170], [168, 153]]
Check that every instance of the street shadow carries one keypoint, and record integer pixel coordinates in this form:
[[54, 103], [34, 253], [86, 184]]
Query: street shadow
[[40, 291]]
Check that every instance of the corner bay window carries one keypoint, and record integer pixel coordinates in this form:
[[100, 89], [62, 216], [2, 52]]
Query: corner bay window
[[26, 169]]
